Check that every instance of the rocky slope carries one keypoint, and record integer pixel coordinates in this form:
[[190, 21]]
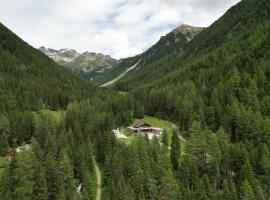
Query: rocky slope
[[62, 55], [100, 69], [85, 64], [189, 31]]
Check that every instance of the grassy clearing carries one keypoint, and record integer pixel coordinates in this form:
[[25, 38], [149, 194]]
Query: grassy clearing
[[57, 116], [156, 122], [153, 121]]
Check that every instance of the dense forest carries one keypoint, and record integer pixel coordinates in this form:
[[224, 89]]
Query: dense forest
[[216, 90]]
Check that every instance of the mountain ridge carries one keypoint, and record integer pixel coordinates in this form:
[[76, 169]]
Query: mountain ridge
[[168, 44], [85, 64], [99, 68]]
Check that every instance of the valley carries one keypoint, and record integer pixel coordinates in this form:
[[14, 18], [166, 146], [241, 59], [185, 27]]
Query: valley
[[187, 119]]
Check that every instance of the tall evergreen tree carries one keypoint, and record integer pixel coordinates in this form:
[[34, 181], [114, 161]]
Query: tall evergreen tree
[[175, 150]]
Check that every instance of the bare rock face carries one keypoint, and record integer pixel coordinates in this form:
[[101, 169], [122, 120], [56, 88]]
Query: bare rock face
[[188, 31], [83, 62], [66, 55]]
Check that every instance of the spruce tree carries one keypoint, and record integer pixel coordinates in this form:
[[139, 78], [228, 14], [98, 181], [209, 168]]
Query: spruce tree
[[175, 150], [40, 191], [165, 138]]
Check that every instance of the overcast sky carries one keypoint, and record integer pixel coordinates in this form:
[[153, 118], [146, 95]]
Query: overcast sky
[[119, 28]]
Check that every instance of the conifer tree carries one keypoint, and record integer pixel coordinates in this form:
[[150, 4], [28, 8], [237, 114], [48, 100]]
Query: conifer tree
[[67, 175], [40, 191], [87, 188], [246, 191], [168, 188], [52, 177], [165, 139], [175, 150], [229, 192]]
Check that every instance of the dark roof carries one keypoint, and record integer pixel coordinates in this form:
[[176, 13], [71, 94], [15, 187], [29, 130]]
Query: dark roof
[[140, 124]]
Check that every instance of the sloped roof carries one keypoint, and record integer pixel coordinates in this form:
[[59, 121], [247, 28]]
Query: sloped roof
[[140, 124]]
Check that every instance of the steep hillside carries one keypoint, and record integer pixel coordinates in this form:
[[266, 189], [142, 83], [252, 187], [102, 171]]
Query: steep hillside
[[121, 67], [29, 79], [219, 84], [236, 25], [100, 69], [214, 92], [221, 76], [170, 44]]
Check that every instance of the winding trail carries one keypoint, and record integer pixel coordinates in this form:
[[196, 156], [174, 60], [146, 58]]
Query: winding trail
[[120, 76], [174, 127], [98, 176]]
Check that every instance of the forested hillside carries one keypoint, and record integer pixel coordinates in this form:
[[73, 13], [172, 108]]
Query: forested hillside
[[236, 25], [172, 43], [221, 80], [38, 108], [30, 79], [216, 90]]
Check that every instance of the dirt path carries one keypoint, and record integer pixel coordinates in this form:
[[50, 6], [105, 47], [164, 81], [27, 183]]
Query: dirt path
[[120, 76], [174, 127], [98, 176]]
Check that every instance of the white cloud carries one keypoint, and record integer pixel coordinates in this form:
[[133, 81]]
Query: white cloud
[[119, 28]]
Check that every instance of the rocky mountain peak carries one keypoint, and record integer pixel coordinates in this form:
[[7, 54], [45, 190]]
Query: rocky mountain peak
[[66, 55], [188, 31]]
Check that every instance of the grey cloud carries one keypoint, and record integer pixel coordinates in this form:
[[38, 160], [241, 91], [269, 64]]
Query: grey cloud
[[120, 28]]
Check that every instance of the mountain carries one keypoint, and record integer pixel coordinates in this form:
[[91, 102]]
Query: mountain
[[99, 68], [86, 64], [62, 55], [221, 77], [172, 43], [28, 78], [212, 96], [229, 30]]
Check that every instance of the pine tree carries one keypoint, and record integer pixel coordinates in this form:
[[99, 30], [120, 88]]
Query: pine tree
[[175, 151], [86, 188], [229, 192], [165, 138], [138, 111], [168, 188], [246, 191], [52, 177], [67, 175], [3, 144], [40, 191], [151, 189]]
